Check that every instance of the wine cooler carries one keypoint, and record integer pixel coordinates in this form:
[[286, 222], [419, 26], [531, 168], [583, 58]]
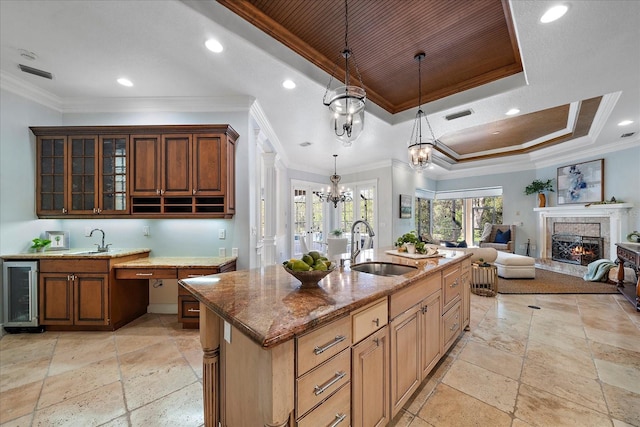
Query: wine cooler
[[20, 283]]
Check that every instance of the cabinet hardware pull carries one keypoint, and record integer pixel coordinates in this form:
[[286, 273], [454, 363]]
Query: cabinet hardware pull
[[339, 418], [194, 275], [193, 310], [158, 192], [454, 284], [377, 341], [376, 321], [318, 390], [454, 327], [425, 308], [64, 210], [161, 192], [319, 350], [144, 274], [194, 191]]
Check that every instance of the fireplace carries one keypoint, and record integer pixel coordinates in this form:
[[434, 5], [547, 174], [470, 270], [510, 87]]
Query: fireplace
[[574, 249]]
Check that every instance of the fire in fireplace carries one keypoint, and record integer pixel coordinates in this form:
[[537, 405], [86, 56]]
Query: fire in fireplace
[[574, 249]]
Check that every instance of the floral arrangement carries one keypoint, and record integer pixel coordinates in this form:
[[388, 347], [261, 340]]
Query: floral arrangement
[[538, 186]]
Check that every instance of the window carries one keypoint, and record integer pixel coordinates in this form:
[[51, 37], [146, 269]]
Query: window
[[485, 210], [423, 216], [448, 220]]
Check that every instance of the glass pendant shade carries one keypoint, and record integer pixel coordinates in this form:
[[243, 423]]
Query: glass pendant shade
[[420, 151], [346, 104]]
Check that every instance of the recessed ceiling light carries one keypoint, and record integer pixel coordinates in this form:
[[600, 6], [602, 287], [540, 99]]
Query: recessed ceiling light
[[305, 144], [625, 122], [288, 84], [214, 45], [512, 112], [125, 82], [553, 13]]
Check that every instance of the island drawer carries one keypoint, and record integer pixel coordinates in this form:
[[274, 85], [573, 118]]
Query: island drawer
[[452, 285], [188, 308], [146, 273], [451, 325], [321, 382], [336, 411], [406, 298], [369, 319], [74, 266], [321, 344]]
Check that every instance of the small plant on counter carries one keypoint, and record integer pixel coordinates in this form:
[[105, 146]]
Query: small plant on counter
[[39, 244], [410, 238], [337, 232]]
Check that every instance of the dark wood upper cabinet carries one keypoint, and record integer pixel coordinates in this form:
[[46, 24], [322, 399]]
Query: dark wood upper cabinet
[[143, 171]]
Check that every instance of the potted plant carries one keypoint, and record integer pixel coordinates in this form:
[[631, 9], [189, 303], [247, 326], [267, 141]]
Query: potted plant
[[39, 244], [337, 232], [539, 187], [410, 243]]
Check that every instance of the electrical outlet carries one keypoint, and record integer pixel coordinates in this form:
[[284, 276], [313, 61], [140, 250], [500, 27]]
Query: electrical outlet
[[145, 230], [234, 251], [222, 252], [87, 231], [222, 233]]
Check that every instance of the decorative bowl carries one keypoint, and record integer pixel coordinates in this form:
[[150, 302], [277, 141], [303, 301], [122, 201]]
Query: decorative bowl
[[309, 278]]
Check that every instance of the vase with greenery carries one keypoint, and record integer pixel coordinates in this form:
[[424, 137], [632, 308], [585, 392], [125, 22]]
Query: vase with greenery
[[539, 187], [408, 240], [337, 232], [39, 244]]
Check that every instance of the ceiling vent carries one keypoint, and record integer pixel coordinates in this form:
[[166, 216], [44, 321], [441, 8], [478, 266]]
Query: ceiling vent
[[627, 135], [36, 72], [458, 114]]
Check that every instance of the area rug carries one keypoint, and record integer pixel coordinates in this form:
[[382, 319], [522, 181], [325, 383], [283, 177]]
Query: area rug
[[549, 282]]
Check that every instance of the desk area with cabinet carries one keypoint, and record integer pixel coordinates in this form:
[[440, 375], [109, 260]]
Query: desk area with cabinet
[[350, 352]]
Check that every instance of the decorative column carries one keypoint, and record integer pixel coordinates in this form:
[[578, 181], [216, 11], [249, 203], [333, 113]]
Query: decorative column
[[270, 199]]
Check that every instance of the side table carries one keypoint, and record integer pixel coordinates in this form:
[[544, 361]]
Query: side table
[[484, 280]]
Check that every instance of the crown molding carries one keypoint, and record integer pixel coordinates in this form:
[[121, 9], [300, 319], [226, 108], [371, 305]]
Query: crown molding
[[29, 91]]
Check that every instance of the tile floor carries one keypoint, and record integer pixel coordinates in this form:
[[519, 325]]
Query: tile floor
[[573, 362]]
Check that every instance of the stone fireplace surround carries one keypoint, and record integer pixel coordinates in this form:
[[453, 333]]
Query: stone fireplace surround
[[614, 226]]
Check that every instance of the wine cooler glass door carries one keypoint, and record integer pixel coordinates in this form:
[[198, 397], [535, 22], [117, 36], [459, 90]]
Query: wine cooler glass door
[[20, 293]]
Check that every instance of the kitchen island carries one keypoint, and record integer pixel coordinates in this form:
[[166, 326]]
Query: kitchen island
[[276, 354]]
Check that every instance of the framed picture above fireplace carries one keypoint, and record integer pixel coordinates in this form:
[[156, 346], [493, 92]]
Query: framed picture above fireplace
[[581, 183]]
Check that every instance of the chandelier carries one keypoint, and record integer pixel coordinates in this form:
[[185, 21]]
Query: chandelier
[[347, 102], [421, 153], [333, 194]]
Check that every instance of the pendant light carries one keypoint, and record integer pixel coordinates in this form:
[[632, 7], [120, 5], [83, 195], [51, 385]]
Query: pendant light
[[421, 153], [347, 102], [333, 194]]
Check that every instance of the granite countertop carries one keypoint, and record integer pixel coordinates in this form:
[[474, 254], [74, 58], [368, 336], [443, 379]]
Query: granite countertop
[[173, 262], [269, 306], [77, 253]]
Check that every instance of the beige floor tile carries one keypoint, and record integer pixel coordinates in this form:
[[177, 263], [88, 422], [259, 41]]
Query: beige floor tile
[[556, 338], [182, 408], [626, 341], [488, 387], [618, 423], [540, 408], [20, 401], [623, 404], [157, 383], [122, 421], [21, 350], [568, 385], [519, 423], [498, 361], [402, 419], [148, 359], [559, 327], [569, 360], [615, 354], [19, 422], [93, 408], [76, 352], [419, 422], [78, 381], [622, 376], [450, 407], [513, 343], [19, 374], [420, 396], [131, 343]]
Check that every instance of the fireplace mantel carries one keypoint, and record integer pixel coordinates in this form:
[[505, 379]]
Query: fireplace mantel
[[618, 214]]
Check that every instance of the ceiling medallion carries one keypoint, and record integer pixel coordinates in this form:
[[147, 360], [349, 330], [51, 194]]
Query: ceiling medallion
[[421, 153], [347, 102]]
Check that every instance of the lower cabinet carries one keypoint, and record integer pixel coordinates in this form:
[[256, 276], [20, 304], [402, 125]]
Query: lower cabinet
[[74, 299], [430, 333], [406, 369], [465, 279], [370, 380]]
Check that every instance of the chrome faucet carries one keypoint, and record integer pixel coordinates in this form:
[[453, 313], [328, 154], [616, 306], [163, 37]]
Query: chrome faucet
[[355, 252], [101, 247]]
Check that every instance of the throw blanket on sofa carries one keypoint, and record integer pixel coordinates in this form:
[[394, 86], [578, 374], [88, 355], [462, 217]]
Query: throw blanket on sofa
[[598, 270]]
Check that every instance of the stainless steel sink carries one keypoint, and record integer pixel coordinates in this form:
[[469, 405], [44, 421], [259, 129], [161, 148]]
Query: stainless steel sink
[[383, 268]]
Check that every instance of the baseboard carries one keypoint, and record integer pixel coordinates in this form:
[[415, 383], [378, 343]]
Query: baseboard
[[163, 308]]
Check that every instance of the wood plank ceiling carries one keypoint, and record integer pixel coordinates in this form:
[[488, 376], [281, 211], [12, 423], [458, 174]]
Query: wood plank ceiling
[[467, 44]]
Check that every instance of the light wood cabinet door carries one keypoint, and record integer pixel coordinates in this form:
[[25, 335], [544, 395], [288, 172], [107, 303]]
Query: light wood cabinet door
[[145, 165], [431, 333], [466, 299], [405, 357], [91, 299], [370, 381], [56, 299]]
